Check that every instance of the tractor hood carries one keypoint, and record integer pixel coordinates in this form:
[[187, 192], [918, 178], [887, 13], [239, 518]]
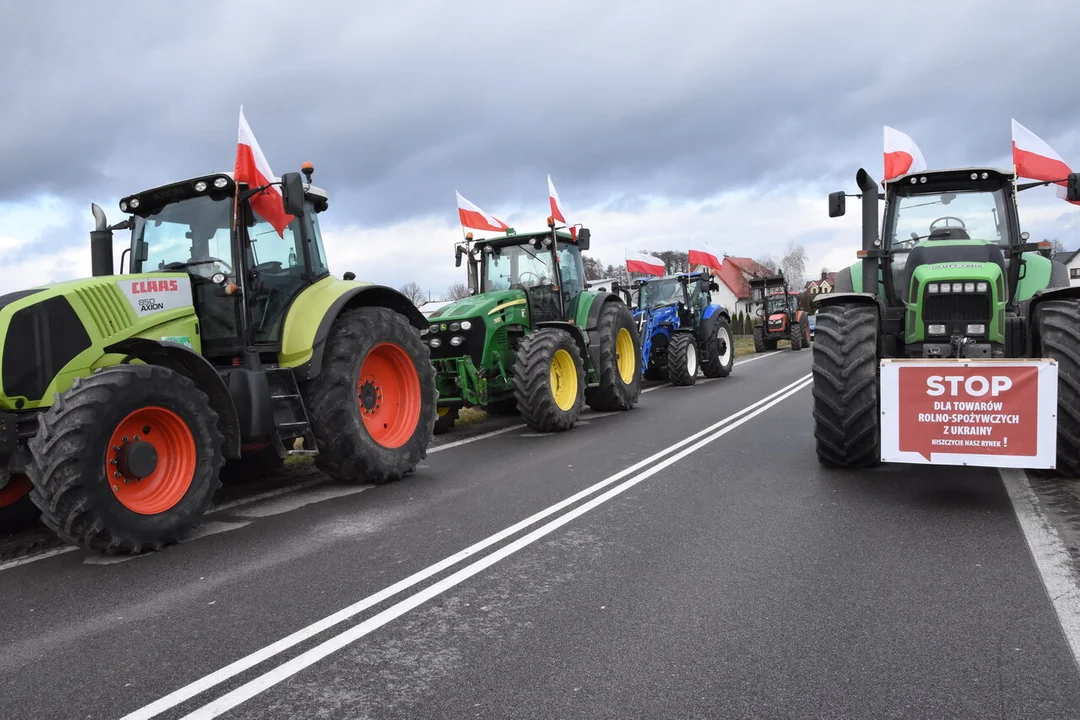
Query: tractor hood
[[481, 305]]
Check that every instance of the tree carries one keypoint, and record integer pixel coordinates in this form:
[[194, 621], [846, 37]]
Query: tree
[[413, 291], [675, 261], [768, 261], [793, 264], [594, 269], [1056, 245], [457, 291], [618, 272]]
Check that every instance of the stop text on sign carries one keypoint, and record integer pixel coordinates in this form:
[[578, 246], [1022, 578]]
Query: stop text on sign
[[973, 385]]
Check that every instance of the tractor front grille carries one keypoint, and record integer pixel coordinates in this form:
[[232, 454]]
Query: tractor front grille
[[473, 338], [956, 307]]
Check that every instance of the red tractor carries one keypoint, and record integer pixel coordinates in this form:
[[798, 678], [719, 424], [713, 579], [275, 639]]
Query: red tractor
[[779, 317]]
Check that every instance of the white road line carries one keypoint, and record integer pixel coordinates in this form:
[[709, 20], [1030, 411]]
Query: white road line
[[466, 441], [705, 380], [1050, 554], [235, 668], [8, 564], [281, 505], [288, 669], [240, 502]]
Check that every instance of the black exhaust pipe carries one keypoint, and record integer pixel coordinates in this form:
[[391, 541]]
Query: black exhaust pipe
[[868, 188], [101, 244]]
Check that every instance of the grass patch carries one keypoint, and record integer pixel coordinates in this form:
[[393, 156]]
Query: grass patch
[[470, 416]]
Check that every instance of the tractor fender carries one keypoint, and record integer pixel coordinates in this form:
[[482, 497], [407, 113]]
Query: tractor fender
[[709, 319], [579, 336], [1053, 293], [846, 298], [361, 296], [188, 362], [592, 320]]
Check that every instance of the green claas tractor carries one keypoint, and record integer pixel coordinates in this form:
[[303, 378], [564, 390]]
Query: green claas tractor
[[779, 317], [122, 395], [531, 338], [951, 277]]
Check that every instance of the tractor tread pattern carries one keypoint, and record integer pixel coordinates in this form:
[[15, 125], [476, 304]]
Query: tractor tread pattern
[[796, 335], [613, 393], [711, 366], [1059, 331], [69, 483], [845, 381], [678, 354], [759, 338], [347, 452], [532, 380]]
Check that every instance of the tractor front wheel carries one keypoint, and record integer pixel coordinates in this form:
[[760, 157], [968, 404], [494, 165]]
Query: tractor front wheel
[[846, 391], [759, 338], [373, 405], [719, 351], [1058, 326], [126, 460], [796, 335], [620, 360], [682, 359], [549, 380]]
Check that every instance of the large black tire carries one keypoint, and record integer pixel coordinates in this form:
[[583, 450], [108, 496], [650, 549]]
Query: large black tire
[[348, 452], [682, 359], [759, 338], [796, 335], [846, 388], [616, 392], [532, 380], [252, 466], [719, 351], [79, 500], [1057, 323], [448, 415]]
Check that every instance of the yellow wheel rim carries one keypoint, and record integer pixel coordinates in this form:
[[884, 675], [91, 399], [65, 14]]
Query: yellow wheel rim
[[625, 356], [563, 380]]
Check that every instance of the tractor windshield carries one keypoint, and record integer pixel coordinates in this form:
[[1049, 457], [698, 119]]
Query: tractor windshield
[[960, 215], [776, 304], [523, 267], [660, 292], [194, 233]]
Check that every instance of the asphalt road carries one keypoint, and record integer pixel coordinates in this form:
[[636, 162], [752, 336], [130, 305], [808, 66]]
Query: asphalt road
[[688, 558]]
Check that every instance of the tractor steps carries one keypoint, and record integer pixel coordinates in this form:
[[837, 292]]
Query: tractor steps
[[290, 415]]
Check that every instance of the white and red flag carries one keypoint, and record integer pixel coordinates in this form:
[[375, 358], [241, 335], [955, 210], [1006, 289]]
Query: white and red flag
[[642, 263], [252, 168], [902, 155], [702, 254], [557, 212], [475, 218], [1035, 159]]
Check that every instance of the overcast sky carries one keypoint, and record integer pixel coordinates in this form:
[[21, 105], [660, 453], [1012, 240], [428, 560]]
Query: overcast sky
[[658, 121]]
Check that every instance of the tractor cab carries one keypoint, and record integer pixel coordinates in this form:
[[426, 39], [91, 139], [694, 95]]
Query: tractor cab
[[242, 281]]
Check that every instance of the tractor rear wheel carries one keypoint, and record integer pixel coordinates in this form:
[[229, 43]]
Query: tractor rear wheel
[[719, 351], [448, 415], [126, 460], [549, 380], [1058, 326], [759, 338], [846, 389], [620, 360], [372, 407], [682, 359], [796, 335]]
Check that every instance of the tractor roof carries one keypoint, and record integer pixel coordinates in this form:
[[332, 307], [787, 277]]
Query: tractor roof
[[219, 185], [973, 177], [521, 238], [691, 275]]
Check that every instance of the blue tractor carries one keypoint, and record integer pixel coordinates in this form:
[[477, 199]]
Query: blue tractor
[[681, 329]]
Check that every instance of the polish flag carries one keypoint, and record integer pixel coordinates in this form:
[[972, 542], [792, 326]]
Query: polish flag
[[642, 263], [902, 155], [1035, 159], [702, 254], [475, 218], [252, 168], [557, 213]]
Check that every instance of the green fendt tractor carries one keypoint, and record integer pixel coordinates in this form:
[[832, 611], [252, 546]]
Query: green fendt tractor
[[121, 396], [951, 276], [530, 337]]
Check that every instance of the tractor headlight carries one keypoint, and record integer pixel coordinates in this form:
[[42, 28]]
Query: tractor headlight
[[969, 287], [433, 328], [976, 329], [454, 327], [221, 182], [456, 340], [936, 329], [436, 342], [932, 288], [958, 287], [134, 202], [982, 287], [466, 325], [123, 207], [200, 186]]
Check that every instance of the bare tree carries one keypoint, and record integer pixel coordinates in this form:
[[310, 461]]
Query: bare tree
[[414, 293], [768, 261], [793, 264], [1056, 245], [675, 261], [594, 269], [457, 291]]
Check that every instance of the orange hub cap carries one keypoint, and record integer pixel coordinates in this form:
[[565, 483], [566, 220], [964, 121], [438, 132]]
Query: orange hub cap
[[16, 489], [150, 461], [388, 392]]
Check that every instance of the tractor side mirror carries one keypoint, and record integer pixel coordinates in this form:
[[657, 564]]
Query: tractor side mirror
[[292, 193], [714, 286], [837, 204], [142, 251], [1073, 189], [458, 252], [583, 238]]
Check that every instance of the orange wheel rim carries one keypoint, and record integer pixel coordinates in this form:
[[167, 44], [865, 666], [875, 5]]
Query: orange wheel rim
[[388, 395], [150, 461], [16, 489]]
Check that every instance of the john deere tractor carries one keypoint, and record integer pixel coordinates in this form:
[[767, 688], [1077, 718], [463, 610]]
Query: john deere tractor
[[950, 277], [779, 317], [531, 338], [682, 330], [122, 395]]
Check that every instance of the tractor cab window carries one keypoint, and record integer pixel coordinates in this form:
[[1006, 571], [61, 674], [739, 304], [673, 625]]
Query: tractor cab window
[[277, 274], [962, 215], [777, 304], [699, 295], [660, 292]]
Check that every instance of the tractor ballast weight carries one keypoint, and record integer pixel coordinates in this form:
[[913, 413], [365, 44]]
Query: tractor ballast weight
[[778, 317], [682, 329], [530, 338], [967, 287], [226, 341]]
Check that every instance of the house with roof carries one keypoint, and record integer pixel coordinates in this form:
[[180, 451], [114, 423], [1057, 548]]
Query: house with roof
[[825, 284], [1071, 260], [734, 292]]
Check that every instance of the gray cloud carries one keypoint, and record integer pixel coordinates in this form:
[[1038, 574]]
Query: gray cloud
[[399, 107]]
